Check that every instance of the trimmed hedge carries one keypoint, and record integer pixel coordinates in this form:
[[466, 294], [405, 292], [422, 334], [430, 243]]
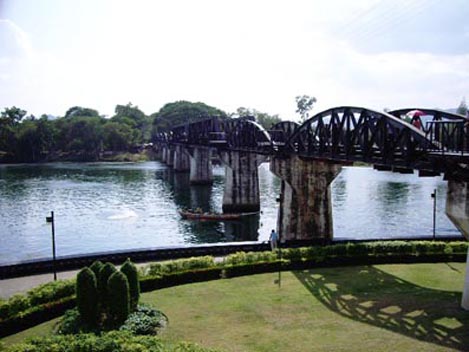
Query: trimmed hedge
[[18, 312], [130, 271], [119, 298], [115, 341]]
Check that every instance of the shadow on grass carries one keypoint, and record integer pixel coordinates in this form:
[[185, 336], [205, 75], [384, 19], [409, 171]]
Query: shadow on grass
[[369, 295]]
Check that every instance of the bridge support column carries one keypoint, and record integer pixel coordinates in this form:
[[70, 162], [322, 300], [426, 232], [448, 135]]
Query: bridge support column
[[181, 159], [170, 156], [200, 166], [241, 192], [158, 152], [457, 210], [305, 211], [164, 154]]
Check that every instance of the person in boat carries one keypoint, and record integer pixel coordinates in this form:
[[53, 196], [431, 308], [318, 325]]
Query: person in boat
[[273, 240]]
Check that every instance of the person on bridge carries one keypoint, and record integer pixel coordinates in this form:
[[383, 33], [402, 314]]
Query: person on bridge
[[273, 240]]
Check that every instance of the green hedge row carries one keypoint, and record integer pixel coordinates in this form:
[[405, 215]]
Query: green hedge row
[[176, 272], [116, 341]]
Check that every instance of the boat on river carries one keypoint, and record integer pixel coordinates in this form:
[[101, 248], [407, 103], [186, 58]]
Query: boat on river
[[199, 216]]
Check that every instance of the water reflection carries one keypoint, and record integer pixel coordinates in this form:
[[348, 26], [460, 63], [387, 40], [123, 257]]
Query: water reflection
[[104, 207], [207, 198]]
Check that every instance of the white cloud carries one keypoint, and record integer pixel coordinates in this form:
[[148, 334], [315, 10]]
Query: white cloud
[[227, 54]]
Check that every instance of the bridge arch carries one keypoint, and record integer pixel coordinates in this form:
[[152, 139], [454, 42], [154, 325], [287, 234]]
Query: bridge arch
[[245, 135], [350, 133]]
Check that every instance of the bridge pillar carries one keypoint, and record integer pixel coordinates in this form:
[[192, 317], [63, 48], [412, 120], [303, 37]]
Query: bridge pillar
[[457, 210], [241, 192], [181, 159], [158, 152], [305, 211], [200, 166], [170, 156], [164, 154]]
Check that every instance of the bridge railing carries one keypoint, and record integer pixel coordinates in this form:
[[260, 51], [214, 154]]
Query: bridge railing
[[448, 137]]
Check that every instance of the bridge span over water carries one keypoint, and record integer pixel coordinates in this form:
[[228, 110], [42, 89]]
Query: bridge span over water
[[307, 157]]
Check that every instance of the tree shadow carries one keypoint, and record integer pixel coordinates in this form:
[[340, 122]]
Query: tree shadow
[[372, 296]]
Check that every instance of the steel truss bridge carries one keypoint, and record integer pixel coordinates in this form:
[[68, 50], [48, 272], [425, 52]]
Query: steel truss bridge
[[432, 142]]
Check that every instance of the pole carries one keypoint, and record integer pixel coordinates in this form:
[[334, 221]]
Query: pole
[[51, 220], [434, 213], [280, 263]]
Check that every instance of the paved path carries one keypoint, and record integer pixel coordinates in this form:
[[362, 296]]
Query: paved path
[[9, 287]]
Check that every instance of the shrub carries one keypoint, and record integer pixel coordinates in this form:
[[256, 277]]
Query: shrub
[[96, 267], [70, 323], [145, 321], [114, 341], [130, 271], [106, 271], [251, 257], [51, 291], [457, 247], [173, 266], [13, 306], [119, 298], [87, 296]]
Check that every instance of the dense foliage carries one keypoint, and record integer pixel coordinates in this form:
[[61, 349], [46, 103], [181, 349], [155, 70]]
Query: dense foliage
[[115, 341], [118, 298], [130, 271], [179, 112], [87, 296]]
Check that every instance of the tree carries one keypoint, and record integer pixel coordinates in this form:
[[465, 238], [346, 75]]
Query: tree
[[304, 104], [462, 108], [130, 271], [80, 111], [118, 298], [262, 118], [117, 136], [87, 296], [132, 116], [179, 112], [9, 118]]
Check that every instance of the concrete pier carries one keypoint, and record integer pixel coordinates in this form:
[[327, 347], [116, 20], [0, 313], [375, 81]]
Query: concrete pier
[[181, 159], [457, 210], [305, 211], [241, 192], [200, 165]]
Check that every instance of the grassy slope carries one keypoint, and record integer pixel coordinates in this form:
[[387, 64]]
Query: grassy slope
[[374, 308]]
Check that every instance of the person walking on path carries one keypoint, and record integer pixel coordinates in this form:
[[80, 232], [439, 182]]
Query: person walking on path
[[273, 240]]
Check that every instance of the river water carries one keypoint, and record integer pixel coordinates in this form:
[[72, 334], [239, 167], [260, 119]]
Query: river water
[[117, 206]]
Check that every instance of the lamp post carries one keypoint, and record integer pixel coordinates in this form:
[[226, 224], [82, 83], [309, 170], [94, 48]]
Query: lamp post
[[434, 212], [51, 220]]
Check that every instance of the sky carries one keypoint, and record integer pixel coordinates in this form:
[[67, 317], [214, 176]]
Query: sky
[[55, 54]]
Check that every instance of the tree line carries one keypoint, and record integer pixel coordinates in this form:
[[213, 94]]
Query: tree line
[[82, 134]]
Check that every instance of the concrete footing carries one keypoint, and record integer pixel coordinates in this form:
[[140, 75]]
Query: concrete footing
[[200, 166], [241, 192], [305, 211], [457, 210], [181, 159]]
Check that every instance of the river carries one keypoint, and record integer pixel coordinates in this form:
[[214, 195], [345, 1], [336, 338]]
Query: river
[[117, 206]]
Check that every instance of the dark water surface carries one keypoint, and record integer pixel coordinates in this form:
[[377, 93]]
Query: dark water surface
[[116, 206]]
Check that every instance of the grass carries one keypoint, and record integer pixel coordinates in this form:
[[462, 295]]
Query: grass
[[413, 307]]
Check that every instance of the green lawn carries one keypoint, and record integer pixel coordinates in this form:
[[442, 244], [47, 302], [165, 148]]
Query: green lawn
[[367, 308]]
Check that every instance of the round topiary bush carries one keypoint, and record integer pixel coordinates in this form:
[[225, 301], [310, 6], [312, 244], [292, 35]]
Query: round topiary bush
[[130, 271], [87, 296], [118, 298]]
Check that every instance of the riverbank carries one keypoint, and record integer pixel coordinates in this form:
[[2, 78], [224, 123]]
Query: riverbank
[[107, 156]]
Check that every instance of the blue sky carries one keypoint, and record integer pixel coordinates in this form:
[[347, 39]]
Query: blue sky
[[55, 54]]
